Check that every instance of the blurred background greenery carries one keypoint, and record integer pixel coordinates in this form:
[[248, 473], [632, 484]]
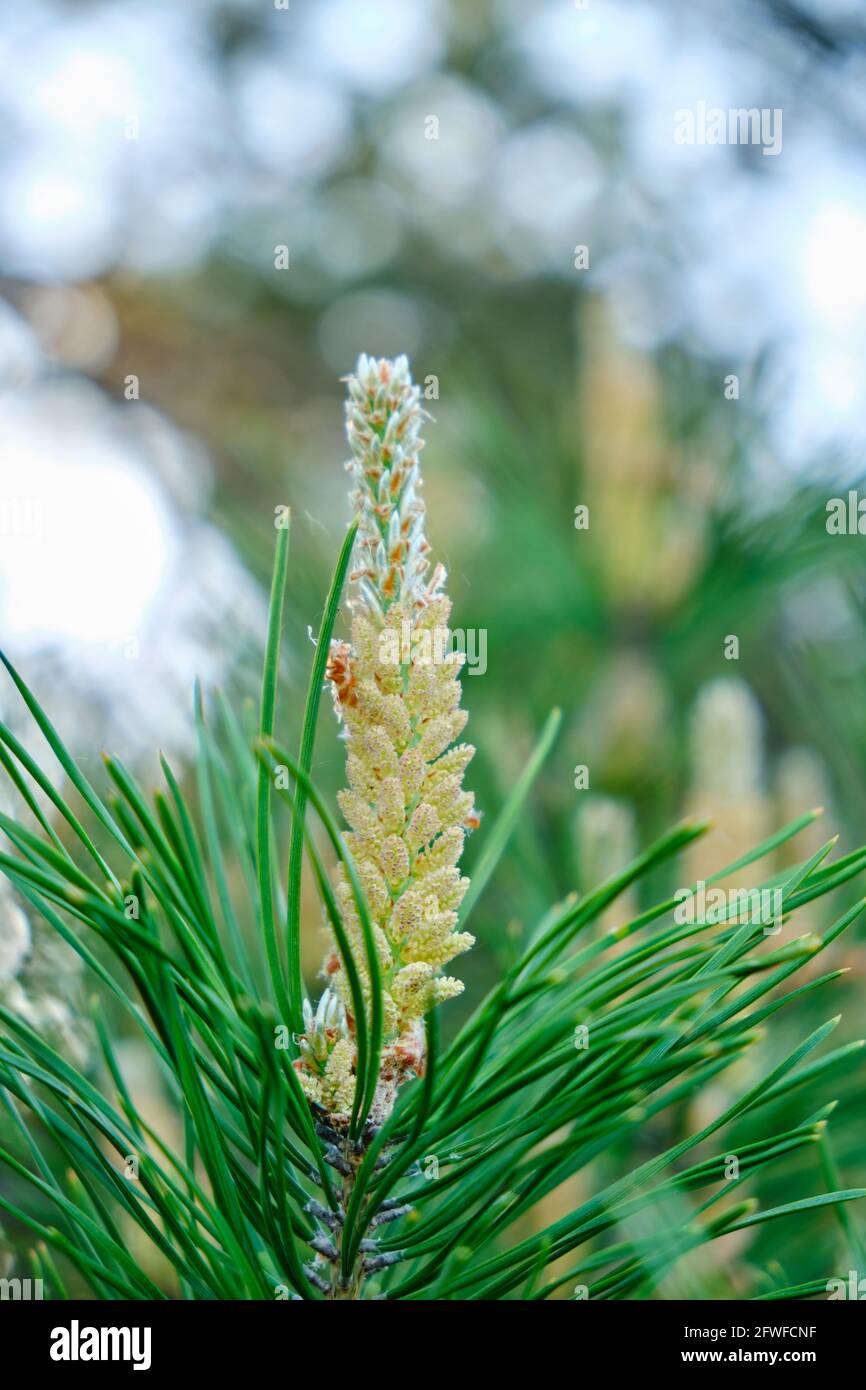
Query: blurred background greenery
[[209, 210]]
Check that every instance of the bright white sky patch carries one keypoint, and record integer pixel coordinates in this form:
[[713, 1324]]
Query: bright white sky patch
[[833, 263], [375, 47], [86, 538]]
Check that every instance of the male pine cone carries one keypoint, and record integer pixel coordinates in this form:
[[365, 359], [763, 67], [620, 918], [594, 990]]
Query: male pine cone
[[397, 693]]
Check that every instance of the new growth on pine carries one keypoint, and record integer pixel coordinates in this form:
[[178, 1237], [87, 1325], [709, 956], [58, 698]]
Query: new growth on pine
[[396, 691]]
